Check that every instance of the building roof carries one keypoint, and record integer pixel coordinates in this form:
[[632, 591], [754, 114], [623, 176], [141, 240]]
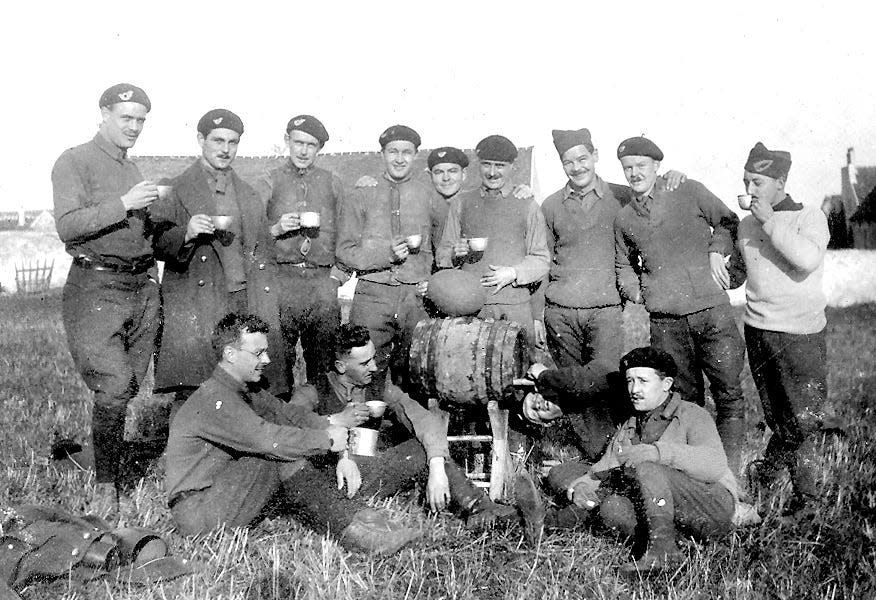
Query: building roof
[[865, 181], [866, 212]]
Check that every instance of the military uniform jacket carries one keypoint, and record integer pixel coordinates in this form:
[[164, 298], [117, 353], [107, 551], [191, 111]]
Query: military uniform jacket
[[194, 286]]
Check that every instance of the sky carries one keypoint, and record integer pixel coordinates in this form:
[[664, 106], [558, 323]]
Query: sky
[[704, 81]]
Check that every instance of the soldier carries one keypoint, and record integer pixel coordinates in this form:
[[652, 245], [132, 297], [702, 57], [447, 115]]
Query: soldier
[[783, 244], [394, 467], [212, 267], [111, 299], [235, 450], [515, 257], [678, 241], [384, 235], [306, 252], [663, 470]]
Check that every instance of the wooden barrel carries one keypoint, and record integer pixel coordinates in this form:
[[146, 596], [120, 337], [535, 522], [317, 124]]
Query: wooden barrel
[[466, 360]]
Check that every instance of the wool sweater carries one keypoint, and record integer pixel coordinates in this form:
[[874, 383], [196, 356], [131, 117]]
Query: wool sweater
[[581, 240], [670, 235], [689, 443], [516, 237], [784, 260]]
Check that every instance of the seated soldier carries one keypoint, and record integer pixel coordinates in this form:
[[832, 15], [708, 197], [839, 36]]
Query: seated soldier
[[233, 447], [343, 390], [664, 468]]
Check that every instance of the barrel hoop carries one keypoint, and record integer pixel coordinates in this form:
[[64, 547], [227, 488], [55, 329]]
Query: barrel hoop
[[415, 355]]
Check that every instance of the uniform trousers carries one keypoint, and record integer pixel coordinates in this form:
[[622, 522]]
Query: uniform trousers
[[790, 372], [111, 321], [707, 342], [309, 312]]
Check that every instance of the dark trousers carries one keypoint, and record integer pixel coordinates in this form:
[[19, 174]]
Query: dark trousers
[[661, 500], [390, 312], [577, 336], [707, 342], [309, 312], [111, 321], [790, 372]]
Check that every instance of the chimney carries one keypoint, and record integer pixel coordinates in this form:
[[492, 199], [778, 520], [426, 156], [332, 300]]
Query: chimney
[[850, 163]]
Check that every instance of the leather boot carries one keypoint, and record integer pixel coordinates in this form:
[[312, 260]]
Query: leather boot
[[464, 494], [486, 513], [659, 512], [531, 507], [371, 531], [732, 432]]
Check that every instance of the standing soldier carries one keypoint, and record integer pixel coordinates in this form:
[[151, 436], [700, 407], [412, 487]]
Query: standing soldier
[[679, 240], [306, 249], [783, 244], [516, 256], [212, 234], [448, 169], [111, 299], [384, 235]]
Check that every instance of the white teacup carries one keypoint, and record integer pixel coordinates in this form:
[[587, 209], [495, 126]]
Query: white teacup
[[363, 441], [221, 221], [413, 241], [376, 407], [309, 219], [477, 244], [164, 191], [744, 201]]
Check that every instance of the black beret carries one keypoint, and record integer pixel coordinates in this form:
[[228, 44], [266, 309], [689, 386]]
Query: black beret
[[447, 154], [565, 139], [308, 124], [648, 356], [639, 146], [219, 118], [395, 133], [496, 147], [772, 163], [124, 92]]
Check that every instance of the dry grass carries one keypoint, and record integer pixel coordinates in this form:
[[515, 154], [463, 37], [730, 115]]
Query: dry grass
[[834, 558]]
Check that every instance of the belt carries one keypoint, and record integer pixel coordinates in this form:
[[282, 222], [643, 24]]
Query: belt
[[305, 265], [138, 268]]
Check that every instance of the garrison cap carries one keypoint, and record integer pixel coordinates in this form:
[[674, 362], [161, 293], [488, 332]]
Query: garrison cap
[[565, 139], [124, 92], [310, 125], [649, 356], [395, 133], [639, 146], [447, 154], [772, 163], [496, 147], [219, 118]]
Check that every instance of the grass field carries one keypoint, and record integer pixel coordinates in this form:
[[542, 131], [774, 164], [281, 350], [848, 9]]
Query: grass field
[[835, 557]]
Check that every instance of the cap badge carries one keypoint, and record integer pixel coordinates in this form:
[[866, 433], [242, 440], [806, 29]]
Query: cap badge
[[442, 154], [125, 96], [622, 148], [217, 121], [762, 165], [298, 122]]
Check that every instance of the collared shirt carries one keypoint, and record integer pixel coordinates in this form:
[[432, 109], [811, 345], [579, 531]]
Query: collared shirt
[[224, 420], [329, 395], [670, 235], [301, 190], [88, 183], [580, 235], [368, 223]]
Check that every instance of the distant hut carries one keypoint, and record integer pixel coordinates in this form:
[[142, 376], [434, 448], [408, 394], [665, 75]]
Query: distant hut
[[43, 222], [851, 222], [863, 223]]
